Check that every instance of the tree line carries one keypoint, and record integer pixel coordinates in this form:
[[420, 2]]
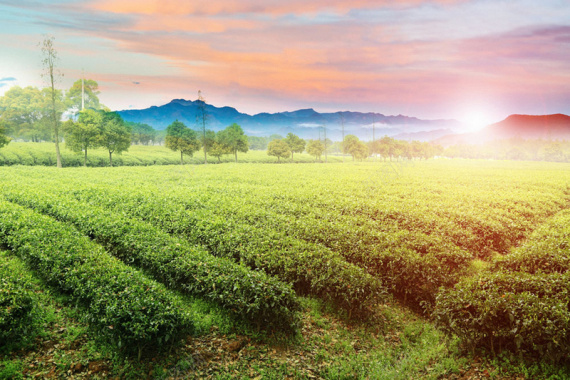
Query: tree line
[[385, 148]]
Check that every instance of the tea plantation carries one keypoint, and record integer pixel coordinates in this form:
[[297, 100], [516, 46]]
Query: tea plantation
[[427, 269]]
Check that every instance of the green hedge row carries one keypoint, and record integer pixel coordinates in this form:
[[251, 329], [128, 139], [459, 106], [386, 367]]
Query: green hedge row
[[253, 295], [518, 312], [127, 307], [412, 264], [18, 303], [311, 268], [522, 303]]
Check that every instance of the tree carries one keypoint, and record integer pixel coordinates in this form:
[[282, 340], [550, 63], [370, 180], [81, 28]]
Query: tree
[[83, 135], [350, 144], [278, 148], [218, 147], [142, 133], [181, 138], [359, 151], [234, 138], [25, 111], [296, 144], [49, 60], [114, 134], [201, 120], [257, 143], [315, 148], [4, 139], [74, 97], [356, 148], [207, 140]]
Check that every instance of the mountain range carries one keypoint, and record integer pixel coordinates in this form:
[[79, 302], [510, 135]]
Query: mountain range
[[548, 127], [306, 123]]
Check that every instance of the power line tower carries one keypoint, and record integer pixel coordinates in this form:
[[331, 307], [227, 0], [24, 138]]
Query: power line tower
[[342, 127]]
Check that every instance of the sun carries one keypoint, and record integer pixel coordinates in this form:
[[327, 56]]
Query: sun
[[475, 120]]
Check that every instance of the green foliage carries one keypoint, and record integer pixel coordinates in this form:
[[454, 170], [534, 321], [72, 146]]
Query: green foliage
[[315, 148], [4, 140], [234, 139], [308, 267], [278, 148], [142, 133], [257, 143], [24, 113], [85, 134], [114, 135], [126, 307], [181, 138], [296, 144], [73, 97], [356, 148], [522, 302], [18, 303], [249, 294]]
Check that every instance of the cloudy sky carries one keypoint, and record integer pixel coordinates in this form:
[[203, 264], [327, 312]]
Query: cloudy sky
[[473, 60]]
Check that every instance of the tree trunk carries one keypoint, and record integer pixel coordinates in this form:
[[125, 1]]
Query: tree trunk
[[181, 158], [84, 159], [110, 158], [236, 155]]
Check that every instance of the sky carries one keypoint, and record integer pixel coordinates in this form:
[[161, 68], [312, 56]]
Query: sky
[[477, 61]]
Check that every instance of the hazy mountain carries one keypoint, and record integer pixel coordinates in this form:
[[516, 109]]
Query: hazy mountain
[[555, 126], [305, 122]]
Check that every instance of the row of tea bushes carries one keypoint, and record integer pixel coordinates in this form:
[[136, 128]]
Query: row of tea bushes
[[18, 303], [311, 268], [124, 305], [252, 295], [522, 303]]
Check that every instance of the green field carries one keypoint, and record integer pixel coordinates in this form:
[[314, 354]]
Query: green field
[[426, 269]]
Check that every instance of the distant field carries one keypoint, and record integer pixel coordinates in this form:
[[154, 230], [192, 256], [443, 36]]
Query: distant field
[[479, 249], [20, 153]]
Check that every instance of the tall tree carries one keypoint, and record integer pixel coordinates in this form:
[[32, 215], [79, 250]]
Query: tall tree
[[296, 144], [181, 138], [279, 149], [114, 135], [74, 96], [201, 120], [83, 135], [49, 61], [315, 148], [234, 138]]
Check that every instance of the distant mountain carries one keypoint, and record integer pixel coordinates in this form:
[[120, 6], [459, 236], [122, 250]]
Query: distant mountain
[[305, 122], [555, 126]]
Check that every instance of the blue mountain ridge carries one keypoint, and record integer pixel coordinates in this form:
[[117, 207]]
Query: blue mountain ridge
[[305, 123]]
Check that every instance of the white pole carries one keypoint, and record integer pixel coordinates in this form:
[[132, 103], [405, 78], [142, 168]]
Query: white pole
[[82, 91]]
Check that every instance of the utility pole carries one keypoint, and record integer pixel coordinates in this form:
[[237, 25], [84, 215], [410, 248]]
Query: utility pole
[[342, 127], [373, 137], [325, 128], [82, 89]]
